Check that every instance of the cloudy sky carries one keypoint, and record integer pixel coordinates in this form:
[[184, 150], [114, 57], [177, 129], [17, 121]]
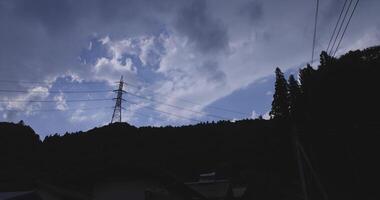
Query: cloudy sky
[[183, 61]]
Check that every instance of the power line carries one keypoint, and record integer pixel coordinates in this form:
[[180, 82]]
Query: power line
[[315, 30], [142, 114], [147, 116], [345, 28], [172, 114], [105, 91], [58, 110], [50, 101], [175, 106], [48, 82], [215, 107], [158, 117], [133, 85], [165, 112], [336, 25], [98, 91], [55, 91], [104, 99], [31, 82], [340, 27], [196, 103]]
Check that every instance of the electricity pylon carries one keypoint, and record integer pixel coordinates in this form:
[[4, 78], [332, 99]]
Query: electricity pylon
[[116, 116]]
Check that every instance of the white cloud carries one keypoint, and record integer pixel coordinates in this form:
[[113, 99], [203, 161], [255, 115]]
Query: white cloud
[[269, 93], [371, 37], [61, 102], [234, 120], [188, 75], [254, 114], [130, 113], [266, 115], [146, 46], [121, 54], [110, 68], [81, 115], [23, 103], [114, 64], [202, 77], [105, 40], [90, 46]]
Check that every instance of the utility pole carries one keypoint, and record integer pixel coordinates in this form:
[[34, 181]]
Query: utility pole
[[303, 159], [116, 116]]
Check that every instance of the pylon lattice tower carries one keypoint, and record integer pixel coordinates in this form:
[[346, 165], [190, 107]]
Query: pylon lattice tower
[[116, 116]]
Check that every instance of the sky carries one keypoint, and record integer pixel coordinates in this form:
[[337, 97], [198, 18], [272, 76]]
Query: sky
[[183, 61]]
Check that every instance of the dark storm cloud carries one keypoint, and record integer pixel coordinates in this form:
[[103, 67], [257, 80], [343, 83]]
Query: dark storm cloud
[[253, 10], [43, 38], [213, 72], [54, 15], [101, 16], [207, 33]]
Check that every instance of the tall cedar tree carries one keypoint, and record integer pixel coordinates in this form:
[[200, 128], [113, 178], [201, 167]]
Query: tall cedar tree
[[306, 77], [325, 59], [280, 104], [293, 97]]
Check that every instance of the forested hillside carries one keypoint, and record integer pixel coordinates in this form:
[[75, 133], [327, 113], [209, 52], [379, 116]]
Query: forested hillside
[[19, 155]]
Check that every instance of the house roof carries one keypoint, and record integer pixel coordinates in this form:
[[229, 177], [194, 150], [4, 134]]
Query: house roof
[[72, 191], [217, 189]]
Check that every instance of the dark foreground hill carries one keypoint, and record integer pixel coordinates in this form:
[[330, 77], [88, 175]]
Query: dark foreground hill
[[19, 155], [335, 115]]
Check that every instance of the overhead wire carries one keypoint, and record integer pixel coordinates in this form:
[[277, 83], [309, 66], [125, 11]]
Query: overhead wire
[[336, 26], [165, 112], [175, 106], [105, 91], [59, 110], [196, 103], [345, 28], [315, 30], [340, 27], [52, 101], [46, 82], [55, 91], [21, 81], [100, 91], [84, 100]]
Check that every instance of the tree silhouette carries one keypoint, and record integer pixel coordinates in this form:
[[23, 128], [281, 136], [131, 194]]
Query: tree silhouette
[[293, 97], [280, 104], [306, 75], [325, 59]]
